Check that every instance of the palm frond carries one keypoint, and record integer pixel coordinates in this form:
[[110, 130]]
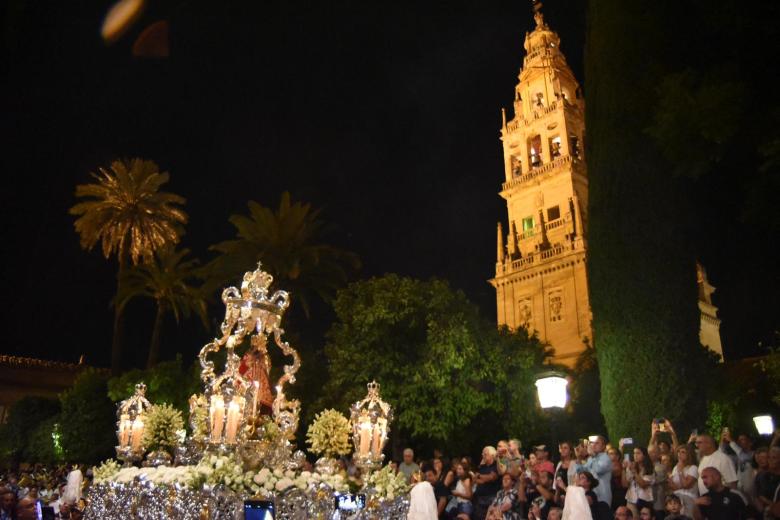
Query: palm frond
[[126, 212]]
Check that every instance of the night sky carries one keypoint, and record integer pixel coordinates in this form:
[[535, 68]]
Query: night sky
[[386, 115]]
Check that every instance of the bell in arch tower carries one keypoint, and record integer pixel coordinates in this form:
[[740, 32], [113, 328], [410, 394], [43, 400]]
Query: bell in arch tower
[[541, 280]]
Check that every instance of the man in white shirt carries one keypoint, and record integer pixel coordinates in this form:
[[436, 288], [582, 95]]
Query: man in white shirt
[[711, 457]]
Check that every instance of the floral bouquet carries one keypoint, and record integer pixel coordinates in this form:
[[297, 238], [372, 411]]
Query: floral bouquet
[[162, 423], [387, 483], [328, 435]]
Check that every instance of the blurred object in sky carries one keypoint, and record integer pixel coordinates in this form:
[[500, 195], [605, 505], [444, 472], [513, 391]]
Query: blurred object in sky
[[119, 19], [153, 41]]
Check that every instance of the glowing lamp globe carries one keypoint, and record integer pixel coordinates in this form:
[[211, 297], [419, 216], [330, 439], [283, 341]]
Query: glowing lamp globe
[[552, 391], [764, 424]]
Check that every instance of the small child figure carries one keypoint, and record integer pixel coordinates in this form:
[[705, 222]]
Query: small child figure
[[674, 508]]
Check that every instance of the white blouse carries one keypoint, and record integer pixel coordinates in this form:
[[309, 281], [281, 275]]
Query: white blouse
[[677, 478], [635, 492]]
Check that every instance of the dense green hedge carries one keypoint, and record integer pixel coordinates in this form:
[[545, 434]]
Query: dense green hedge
[[641, 262], [88, 419]]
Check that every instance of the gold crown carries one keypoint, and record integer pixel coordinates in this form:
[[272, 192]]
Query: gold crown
[[254, 293]]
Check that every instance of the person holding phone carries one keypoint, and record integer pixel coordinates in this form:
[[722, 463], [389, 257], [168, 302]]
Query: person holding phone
[[601, 468], [565, 471], [638, 477], [616, 482]]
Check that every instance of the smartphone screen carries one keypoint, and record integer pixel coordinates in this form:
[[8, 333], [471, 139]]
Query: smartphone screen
[[259, 510], [350, 502]]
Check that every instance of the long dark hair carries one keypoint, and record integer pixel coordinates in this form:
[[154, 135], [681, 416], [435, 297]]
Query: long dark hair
[[647, 464], [466, 470]]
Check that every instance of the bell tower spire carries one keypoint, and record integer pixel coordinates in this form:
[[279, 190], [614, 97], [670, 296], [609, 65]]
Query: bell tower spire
[[542, 282]]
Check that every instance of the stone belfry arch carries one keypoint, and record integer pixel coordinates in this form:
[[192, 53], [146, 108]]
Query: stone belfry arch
[[541, 280]]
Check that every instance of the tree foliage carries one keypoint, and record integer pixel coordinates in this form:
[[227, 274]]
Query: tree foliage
[[132, 219], [88, 420], [439, 363], [168, 280], [24, 418], [289, 241], [167, 382], [126, 211]]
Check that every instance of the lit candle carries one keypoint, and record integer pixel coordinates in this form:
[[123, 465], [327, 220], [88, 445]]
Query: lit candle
[[365, 436], [137, 433], [379, 437], [233, 418], [217, 417], [254, 401], [124, 430]]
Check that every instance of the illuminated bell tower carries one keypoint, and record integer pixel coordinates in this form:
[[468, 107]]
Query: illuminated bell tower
[[541, 280]]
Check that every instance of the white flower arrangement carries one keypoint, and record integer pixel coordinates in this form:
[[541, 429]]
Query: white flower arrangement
[[387, 483], [105, 472], [328, 434], [216, 470]]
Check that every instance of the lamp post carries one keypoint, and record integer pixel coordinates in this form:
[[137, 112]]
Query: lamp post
[[764, 424], [551, 389]]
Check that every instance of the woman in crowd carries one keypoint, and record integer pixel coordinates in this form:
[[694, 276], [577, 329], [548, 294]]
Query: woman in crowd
[[438, 468], [462, 492], [565, 471], [616, 483], [638, 478], [505, 505], [684, 478]]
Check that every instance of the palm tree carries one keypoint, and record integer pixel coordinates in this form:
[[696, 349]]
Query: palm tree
[[288, 242], [167, 280], [132, 219]]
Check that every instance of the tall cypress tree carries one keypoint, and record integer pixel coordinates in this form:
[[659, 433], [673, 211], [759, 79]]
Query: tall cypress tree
[[641, 261]]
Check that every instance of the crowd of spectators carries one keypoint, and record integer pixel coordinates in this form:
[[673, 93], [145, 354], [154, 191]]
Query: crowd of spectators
[[700, 479], [42, 493]]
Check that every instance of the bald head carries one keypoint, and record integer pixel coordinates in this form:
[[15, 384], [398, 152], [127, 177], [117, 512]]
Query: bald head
[[712, 479]]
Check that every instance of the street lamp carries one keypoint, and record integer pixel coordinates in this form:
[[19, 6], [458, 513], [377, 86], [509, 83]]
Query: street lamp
[[764, 424], [551, 388]]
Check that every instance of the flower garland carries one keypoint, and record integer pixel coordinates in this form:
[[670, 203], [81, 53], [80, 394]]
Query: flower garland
[[328, 435]]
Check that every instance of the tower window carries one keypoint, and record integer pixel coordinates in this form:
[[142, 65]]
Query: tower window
[[528, 226], [516, 165], [555, 147], [553, 213], [574, 146], [539, 100], [535, 151]]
